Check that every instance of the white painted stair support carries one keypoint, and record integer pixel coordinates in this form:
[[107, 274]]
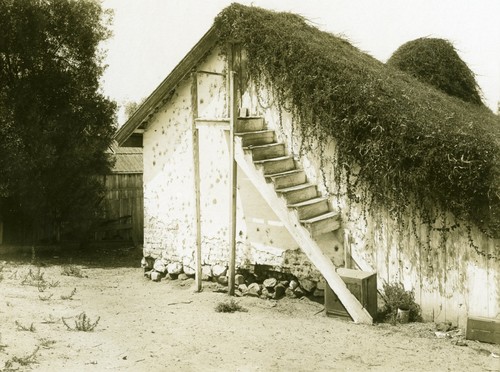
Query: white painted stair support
[[291, 221]]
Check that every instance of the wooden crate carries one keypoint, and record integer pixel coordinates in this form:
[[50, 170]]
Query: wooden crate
[[483, 329], [362, 284]]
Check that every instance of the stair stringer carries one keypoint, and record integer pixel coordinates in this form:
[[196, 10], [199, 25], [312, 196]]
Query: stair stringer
[[290, 220]]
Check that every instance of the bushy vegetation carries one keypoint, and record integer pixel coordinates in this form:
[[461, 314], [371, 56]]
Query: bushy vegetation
[[82, 323], [229, 306], [403, 143], [436, 62], [396, 297]]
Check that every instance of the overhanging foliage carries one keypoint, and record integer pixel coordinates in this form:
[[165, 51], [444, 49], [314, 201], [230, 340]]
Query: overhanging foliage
[[410, 142]]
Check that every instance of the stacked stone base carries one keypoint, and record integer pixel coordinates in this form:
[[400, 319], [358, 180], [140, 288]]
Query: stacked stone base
[[266, 282]]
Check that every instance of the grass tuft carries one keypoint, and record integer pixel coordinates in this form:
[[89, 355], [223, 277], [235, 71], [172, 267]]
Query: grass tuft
[[72, 270], [21, 327], [82, 323], [21, 361], [230, 306], [70, 296]]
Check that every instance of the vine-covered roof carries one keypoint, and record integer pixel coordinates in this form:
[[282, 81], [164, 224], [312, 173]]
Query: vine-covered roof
[[409, 140], [436, 62]]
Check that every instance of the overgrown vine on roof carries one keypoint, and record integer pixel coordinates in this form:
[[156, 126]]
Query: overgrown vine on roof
[[409, 144]]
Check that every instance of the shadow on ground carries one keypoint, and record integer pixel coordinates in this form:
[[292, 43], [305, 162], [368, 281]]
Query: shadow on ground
[[108, 254]]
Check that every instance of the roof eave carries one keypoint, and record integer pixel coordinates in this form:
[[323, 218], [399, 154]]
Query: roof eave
[[147, 108]]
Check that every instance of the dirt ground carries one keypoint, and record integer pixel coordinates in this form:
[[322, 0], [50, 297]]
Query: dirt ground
[[145, 325]]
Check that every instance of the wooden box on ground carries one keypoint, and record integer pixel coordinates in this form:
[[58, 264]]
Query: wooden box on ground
[[362, 284], [483, 329]]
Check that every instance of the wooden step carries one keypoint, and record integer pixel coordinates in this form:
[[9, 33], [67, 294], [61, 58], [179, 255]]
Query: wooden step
[[276, 165], [260, 137], [311, 208], [299, 193], [249, 124], [322, 224], [287, 179], [273, 150]]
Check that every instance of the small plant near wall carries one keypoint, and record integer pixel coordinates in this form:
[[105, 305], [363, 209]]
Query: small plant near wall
[[396, 297]]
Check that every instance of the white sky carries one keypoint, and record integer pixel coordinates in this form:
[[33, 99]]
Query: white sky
[[152, 36]]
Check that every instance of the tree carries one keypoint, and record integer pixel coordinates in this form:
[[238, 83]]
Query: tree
[[55, 123], [130, 108]]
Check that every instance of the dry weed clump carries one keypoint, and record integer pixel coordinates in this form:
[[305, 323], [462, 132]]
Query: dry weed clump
[[230, 306], [34, 278], [45, 298], [72, 270], [70, 296], [21, 327], [10, 365], [82, 323]]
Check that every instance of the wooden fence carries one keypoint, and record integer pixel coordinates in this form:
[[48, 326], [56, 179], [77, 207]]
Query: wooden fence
[[123, 208]]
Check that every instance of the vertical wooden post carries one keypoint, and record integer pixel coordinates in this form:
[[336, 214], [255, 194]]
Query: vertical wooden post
[[347, 250], [232, 178], [196, 170]]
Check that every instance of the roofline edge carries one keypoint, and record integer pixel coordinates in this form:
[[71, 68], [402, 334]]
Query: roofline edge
[[176, 75]]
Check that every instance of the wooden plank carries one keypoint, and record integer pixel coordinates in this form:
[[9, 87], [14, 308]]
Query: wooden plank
[[483, 329], [196, 170], [323, 263], [232, 182], [493, 273]]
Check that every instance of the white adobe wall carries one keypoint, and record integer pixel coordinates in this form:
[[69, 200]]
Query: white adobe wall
[[449, 284], [169, 201], [169, 208]]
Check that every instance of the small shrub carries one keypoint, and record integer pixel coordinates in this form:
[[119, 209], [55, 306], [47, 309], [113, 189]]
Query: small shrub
[[53, 284], [70, 296], [24, 361], [21, 327], [46, 343], [230, 306], [33, 278], [42, 286], [82, 323], [50, 320], [45, 298], [72, 270], [2, 346], [13, 275], [395, 297]]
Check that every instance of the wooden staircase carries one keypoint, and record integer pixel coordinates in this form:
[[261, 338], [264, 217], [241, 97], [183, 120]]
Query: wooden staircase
[[303, 210]]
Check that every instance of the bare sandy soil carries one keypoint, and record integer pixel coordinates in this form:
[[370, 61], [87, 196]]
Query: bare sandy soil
[[144, 326]]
